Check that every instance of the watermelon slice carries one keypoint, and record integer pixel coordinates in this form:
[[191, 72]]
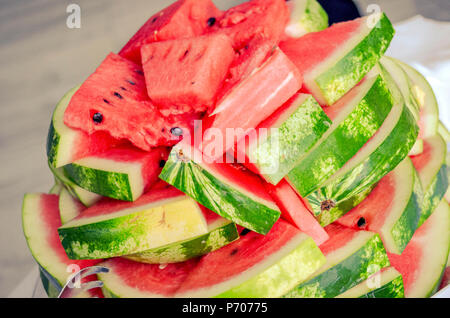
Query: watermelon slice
[[263, 18], [388, 283], [356, 118], [264, 91], [85, 197], [40, 220], [122, 173], [182, 19], [432, 168], [69, 207], [192, 72], [446, 277], [114, 100], [334, 60], [392, 209], [423, 261], [443, 131], [352, 256], [306, 16], [66, 145], [231, 191], [384, 150], [56, 189], [129, 279], [255, 266], [294, 211], [114, 228], [220, 233], [283, 138]]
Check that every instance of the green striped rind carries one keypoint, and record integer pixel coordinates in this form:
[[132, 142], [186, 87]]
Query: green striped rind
[[221, 235], [276, 155], [437, 185], [57, 157], [334, 279], [110, 184], [350, 69], [51, 286], [386, 284], [344, 142], [306, 16], [84, 196], [214, 194], [274, 281]]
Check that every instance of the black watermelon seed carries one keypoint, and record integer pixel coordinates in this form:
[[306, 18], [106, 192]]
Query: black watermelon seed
[[154, 19], [106, 101], [123, 88], [118, 95], [162, 163], [211, 21], [97, 118], [361, 222], [140, 72], [245, 232], [131, 82], [233, 252], [176, 131]]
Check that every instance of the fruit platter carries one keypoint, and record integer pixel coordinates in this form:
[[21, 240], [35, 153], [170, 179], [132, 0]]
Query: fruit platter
[[255, 152]]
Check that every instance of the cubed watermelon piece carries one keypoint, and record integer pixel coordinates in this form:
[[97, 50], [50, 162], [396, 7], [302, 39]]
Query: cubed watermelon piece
[[114, 99], [334, 60], [184, 75], [182, 19], [269, 87], [266, 18]]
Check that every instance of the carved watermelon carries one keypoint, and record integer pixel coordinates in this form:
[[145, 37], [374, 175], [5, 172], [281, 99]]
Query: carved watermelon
[[182, 19]]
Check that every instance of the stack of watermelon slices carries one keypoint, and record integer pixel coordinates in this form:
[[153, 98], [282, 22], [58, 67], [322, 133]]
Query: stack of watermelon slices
[[253, 152]]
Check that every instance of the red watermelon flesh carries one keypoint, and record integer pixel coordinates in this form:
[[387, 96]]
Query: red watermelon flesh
[[50, 254], [294, 211], [269, 87], [266, 18], [182, 19], [184, 75], [339, 237], [148, 280], [118, 93], [237, 257]]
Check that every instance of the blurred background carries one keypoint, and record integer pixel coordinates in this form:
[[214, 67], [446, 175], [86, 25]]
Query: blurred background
[[41, 59]]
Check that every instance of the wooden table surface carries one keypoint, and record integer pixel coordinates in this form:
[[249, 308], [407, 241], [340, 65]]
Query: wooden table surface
[[40, 59]]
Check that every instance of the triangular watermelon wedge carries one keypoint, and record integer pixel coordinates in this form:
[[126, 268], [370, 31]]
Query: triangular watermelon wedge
[[334, 60]]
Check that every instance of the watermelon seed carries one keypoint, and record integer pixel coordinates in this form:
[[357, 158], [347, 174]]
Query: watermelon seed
[[123, 88], [244, 232], [162, 163], [97, 118], [361, 222], [233, 252], [131, 82], [140, 72], [106, 101], [118, 95], [327, 205], [154, 19], [176, 131], [192, 83], [211, 21]]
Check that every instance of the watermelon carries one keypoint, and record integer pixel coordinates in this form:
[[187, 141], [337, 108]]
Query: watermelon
[[230, 190], [66, 145], [423, 261], [356, 118], [334, 60], [114, 100], [255, 266], [305, 16], [392, 209], [56, 189], [182, 19], [122, 173], [69, 207], [114, 228], [262, 18], [40, 221], [446, 277], [294, 211], [443, 131], [388, 283], [265, 90], [220, 233], [352, 256], [130, 279], [192, 72], [283, 138], [432, 169], [85, 197]]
